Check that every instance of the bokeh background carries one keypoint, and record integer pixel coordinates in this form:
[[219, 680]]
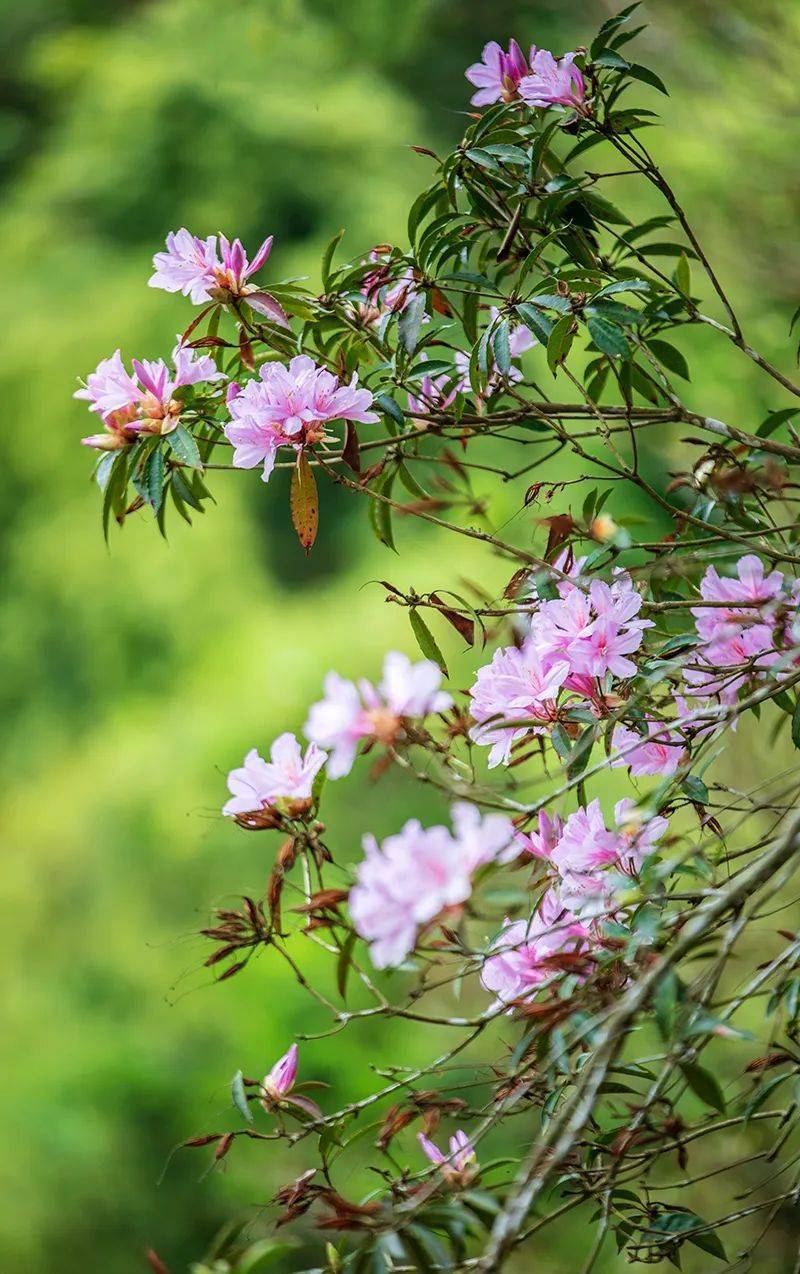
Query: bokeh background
[[134, 677]]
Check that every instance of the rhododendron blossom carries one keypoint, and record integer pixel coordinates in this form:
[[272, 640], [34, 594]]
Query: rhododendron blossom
[[204, 269], [460, 1162], [350, 713], [281, 1079], [520, 960], [287, 776], [595, 631], [290, 406], [417, 875], [733, 635], [553, 83], [518, 685], [659, 751], [141, 403], [541, 842], [498, 74]]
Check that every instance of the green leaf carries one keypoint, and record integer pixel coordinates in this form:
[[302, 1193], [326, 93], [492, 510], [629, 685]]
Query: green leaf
[[184, 447], [683, 275], [671, 357], [426, 640], [380, 516], [695, 789], [703, 1085], [611, 60], [796, 725], [608, 337], [263, 1254], [604, 209], [343, 963], [410, 322], [647, 76], [560, 342], [239, 1097], [391, 409], [304, 502], [327, 258], [665, 1005], [540, 324], [502, 348]]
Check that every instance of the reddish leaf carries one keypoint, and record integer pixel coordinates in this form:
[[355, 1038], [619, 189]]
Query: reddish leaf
[[351, 453], [304, 502]]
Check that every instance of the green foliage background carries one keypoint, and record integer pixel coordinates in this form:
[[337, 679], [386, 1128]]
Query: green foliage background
[[134, 677]]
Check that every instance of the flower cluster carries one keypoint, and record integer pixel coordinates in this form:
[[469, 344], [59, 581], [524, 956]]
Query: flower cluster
[[420, 875], [575, 639], [587, 862], [747, 633], [142, 403], [351, 714], [541, 80], [289, 405]]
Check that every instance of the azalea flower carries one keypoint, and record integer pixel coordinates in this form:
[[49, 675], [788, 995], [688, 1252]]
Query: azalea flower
[[543, 841], [277, 1088], [214, 269], [289, 405], [516, 685], [595, 631], [498, 74], [144, 402], [288, 776], [520, 960], [459, 1164], [552, 82], [350, 713], [416, 876], [281, 1079], [585, 843], [639, 836], [659, 751], [739, 635]]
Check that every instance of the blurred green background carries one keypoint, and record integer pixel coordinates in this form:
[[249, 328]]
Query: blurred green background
[[134, 677]]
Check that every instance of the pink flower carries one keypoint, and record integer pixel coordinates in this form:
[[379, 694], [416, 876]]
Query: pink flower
[[287, 776], [277, 1088], [290, 406], [645, 754], [638, 836], [552, 82], [585, 844], [594, 631], [738, 635], [200, 268], [349, 713], [543, 841], [498, 74], [459, 1164], [487, 838], [520, 960], [187, 266], [281, 1079], [722, 623], [412, 689], [516, 685], [433, 392], [143, 402], [405, 884]]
